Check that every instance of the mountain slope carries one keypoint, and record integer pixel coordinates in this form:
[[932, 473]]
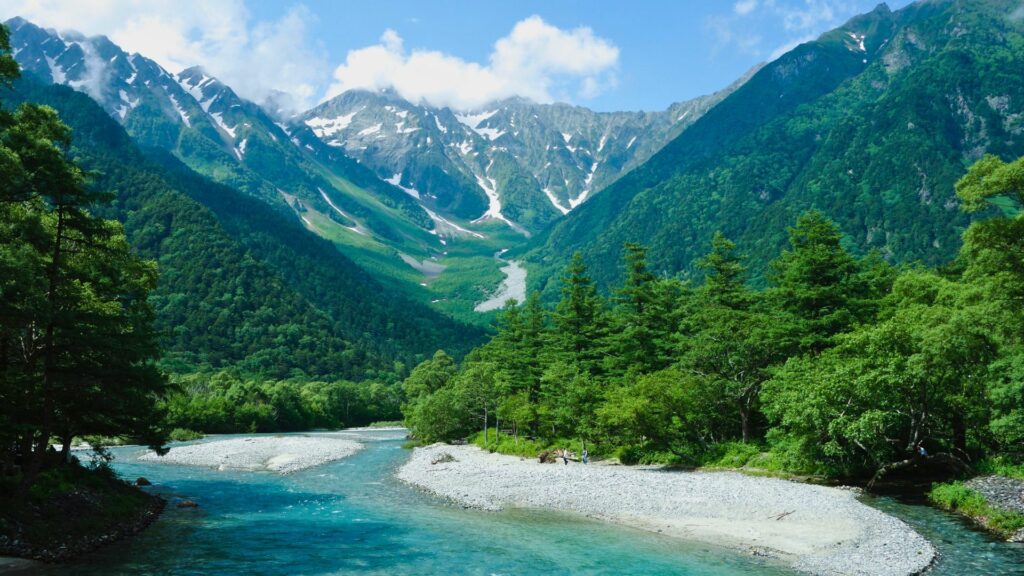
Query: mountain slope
[[242, 284], [871, 123], [515, 161], [229, 139]]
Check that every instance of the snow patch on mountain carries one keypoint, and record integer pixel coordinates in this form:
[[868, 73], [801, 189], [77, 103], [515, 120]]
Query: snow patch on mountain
[[474, 120], [219, 119], [326, 127], [396, 181], [490, 188], [371, 130], [357, 228], [181, 111], [441, 223], [554, 201], [56, 72]]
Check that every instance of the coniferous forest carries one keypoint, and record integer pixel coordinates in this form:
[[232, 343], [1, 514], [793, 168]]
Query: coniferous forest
[[842, 366]]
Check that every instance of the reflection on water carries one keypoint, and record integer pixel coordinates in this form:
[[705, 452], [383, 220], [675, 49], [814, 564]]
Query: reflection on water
[[352, 517]]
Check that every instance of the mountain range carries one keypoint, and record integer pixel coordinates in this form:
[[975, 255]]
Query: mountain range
[[405, 190], [871, 123]]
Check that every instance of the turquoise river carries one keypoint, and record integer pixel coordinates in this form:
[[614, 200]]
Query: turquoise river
[[353, 517]]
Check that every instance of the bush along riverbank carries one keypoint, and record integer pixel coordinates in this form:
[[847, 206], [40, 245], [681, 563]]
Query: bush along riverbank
[[996, 503], [70, 510]]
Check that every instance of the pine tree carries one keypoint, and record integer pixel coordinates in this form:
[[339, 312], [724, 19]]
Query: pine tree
[[724, 274], [579, 316], [77, 348], [816, 281]]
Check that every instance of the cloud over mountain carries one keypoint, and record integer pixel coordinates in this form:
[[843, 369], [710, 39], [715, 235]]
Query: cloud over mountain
[[258, 58], [535, 60]]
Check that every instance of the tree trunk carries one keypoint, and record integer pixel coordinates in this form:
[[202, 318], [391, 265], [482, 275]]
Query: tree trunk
[[745, 422], [959, 435], [65, 445], [35, 458]]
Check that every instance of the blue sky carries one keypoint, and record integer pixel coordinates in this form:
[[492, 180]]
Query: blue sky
[[668, 50], [640, 55]]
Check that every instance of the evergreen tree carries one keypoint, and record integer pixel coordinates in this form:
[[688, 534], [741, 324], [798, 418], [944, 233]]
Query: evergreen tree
[[77, 348], [815, 281], [579, 316], [724, 274], [631, 343]]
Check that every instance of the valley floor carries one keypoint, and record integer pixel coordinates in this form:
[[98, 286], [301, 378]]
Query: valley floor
[[816, 529]]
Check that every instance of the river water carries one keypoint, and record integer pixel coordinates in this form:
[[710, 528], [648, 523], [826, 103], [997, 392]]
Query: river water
[[353, 517]]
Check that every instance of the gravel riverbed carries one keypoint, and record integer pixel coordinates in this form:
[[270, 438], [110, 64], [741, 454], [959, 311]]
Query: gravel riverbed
[[816, 529], [281, 454]]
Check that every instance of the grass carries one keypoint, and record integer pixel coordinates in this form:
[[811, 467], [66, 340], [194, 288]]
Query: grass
[[387, 424], [508, 444], [1001, 465], [956, 497], [184, 435]]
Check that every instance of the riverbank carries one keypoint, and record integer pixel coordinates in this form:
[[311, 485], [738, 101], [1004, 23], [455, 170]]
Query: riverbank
[[814, 529], [71, 510], [996, 503], [280, 454]]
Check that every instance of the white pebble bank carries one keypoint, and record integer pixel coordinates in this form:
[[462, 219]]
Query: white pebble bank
[[281, 454], [816, 529]]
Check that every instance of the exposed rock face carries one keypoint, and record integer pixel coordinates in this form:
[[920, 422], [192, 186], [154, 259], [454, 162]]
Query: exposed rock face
[[537, 161]]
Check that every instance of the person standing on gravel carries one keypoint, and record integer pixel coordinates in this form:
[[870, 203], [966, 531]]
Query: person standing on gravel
[[586, 456], [565, 456]]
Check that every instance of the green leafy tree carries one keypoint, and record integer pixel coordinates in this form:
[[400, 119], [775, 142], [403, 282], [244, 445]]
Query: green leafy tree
[[915, 378]]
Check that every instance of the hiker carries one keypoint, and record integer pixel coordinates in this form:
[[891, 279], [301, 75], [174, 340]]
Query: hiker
[[922, 452], [586, 456], [565, 456]]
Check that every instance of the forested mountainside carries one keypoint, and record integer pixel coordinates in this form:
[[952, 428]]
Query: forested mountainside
[[241, 284], [872, 124], [516, 160], [226, 138]]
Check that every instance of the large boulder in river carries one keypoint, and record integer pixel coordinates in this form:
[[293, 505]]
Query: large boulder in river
[[142, 481], [187, 504]]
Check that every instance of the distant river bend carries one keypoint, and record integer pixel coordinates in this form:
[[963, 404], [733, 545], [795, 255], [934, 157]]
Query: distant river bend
[[513, 286]]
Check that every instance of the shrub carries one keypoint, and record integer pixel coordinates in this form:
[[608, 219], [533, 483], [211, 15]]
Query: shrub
[[957, 497], [184, 435]]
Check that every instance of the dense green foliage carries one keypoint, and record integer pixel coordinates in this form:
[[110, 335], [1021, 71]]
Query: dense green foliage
[[226, 402], [77, 344], [842, 365], [242, 284], [875, 138], [957, 497]]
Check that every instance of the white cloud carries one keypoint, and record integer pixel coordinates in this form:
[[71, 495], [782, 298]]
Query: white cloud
[[752, 24], [536, 60], [809, 14], [255, 58], [744, 7]]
